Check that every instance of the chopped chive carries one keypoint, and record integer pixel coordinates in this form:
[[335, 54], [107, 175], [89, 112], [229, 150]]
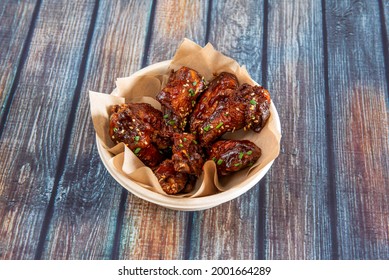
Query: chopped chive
[[237, 164], [165, 116], [184, 139], [253, 102], [219, 162], [219, 125], [194, 83], [193, 103], [207, 128], [171, 122], [137, 150], [115, 129], [241, 155], [194, 141], [249, 152], [136, 138], [191, 92], [180, 145], [214, 159]]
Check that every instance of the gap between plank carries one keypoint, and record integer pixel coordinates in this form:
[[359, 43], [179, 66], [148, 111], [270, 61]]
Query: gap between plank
[[262, 215], [330, 142], [9, 98], [385, 43], [115, 254], [208, 22], [68, 132]]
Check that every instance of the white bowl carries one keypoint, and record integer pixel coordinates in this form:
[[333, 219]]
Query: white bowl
[[184, 203]]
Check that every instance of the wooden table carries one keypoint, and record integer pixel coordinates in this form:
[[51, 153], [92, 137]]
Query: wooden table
[[326, 64]]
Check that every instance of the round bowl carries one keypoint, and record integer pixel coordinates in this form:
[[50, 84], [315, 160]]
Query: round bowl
[[184, 203]]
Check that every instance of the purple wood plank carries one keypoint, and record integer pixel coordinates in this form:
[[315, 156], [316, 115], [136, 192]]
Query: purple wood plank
[[34, 132], [229, 231], [358, 100], [298, 220], [85, 214]]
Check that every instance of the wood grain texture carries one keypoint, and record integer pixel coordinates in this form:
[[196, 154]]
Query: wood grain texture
[[358, 94], [175, 20], [13, 34], [297, 220], [87, 203], [230, 230], [150, 231], [32, 138]]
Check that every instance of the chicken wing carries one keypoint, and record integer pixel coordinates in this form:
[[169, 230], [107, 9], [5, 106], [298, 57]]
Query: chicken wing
[[247, 107], [187, 154], [233, 155], [137, 125], [172, 181], [178, 97], [218, 89]]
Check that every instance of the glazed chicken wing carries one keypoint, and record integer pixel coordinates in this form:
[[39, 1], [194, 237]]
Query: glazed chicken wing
[[178, 97], [137, 125], [233, 155], [246, 107], [187, 154], [172, 181], [218, 89]]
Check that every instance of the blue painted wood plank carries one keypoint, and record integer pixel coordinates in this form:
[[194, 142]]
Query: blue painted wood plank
[[13, 36], [358, 97], [33, 135], [85, 216], [298, 224]]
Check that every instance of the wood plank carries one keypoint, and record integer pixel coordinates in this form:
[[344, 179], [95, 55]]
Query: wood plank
[[150, 231], [13, 34], [33, 135], [229, 231], [86, 209], [358, 95], [298, 221]]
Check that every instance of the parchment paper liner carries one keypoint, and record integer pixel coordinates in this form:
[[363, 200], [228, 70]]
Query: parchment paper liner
[[143, 88]]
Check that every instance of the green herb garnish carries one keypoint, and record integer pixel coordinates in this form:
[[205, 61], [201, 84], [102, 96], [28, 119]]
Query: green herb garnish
[[219, 162], [137, 150]]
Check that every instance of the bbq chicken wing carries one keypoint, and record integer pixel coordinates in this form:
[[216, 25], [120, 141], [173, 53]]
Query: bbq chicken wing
[[178, 97], [137, 125], [172, 181], [218, 89], [247, 107], [233, 155], [187, 154]]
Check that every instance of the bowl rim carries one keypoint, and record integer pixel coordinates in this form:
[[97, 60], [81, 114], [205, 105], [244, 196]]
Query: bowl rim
[[182, 203]]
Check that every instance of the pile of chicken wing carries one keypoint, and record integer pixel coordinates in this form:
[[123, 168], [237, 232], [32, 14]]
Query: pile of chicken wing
[[176, 142]]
